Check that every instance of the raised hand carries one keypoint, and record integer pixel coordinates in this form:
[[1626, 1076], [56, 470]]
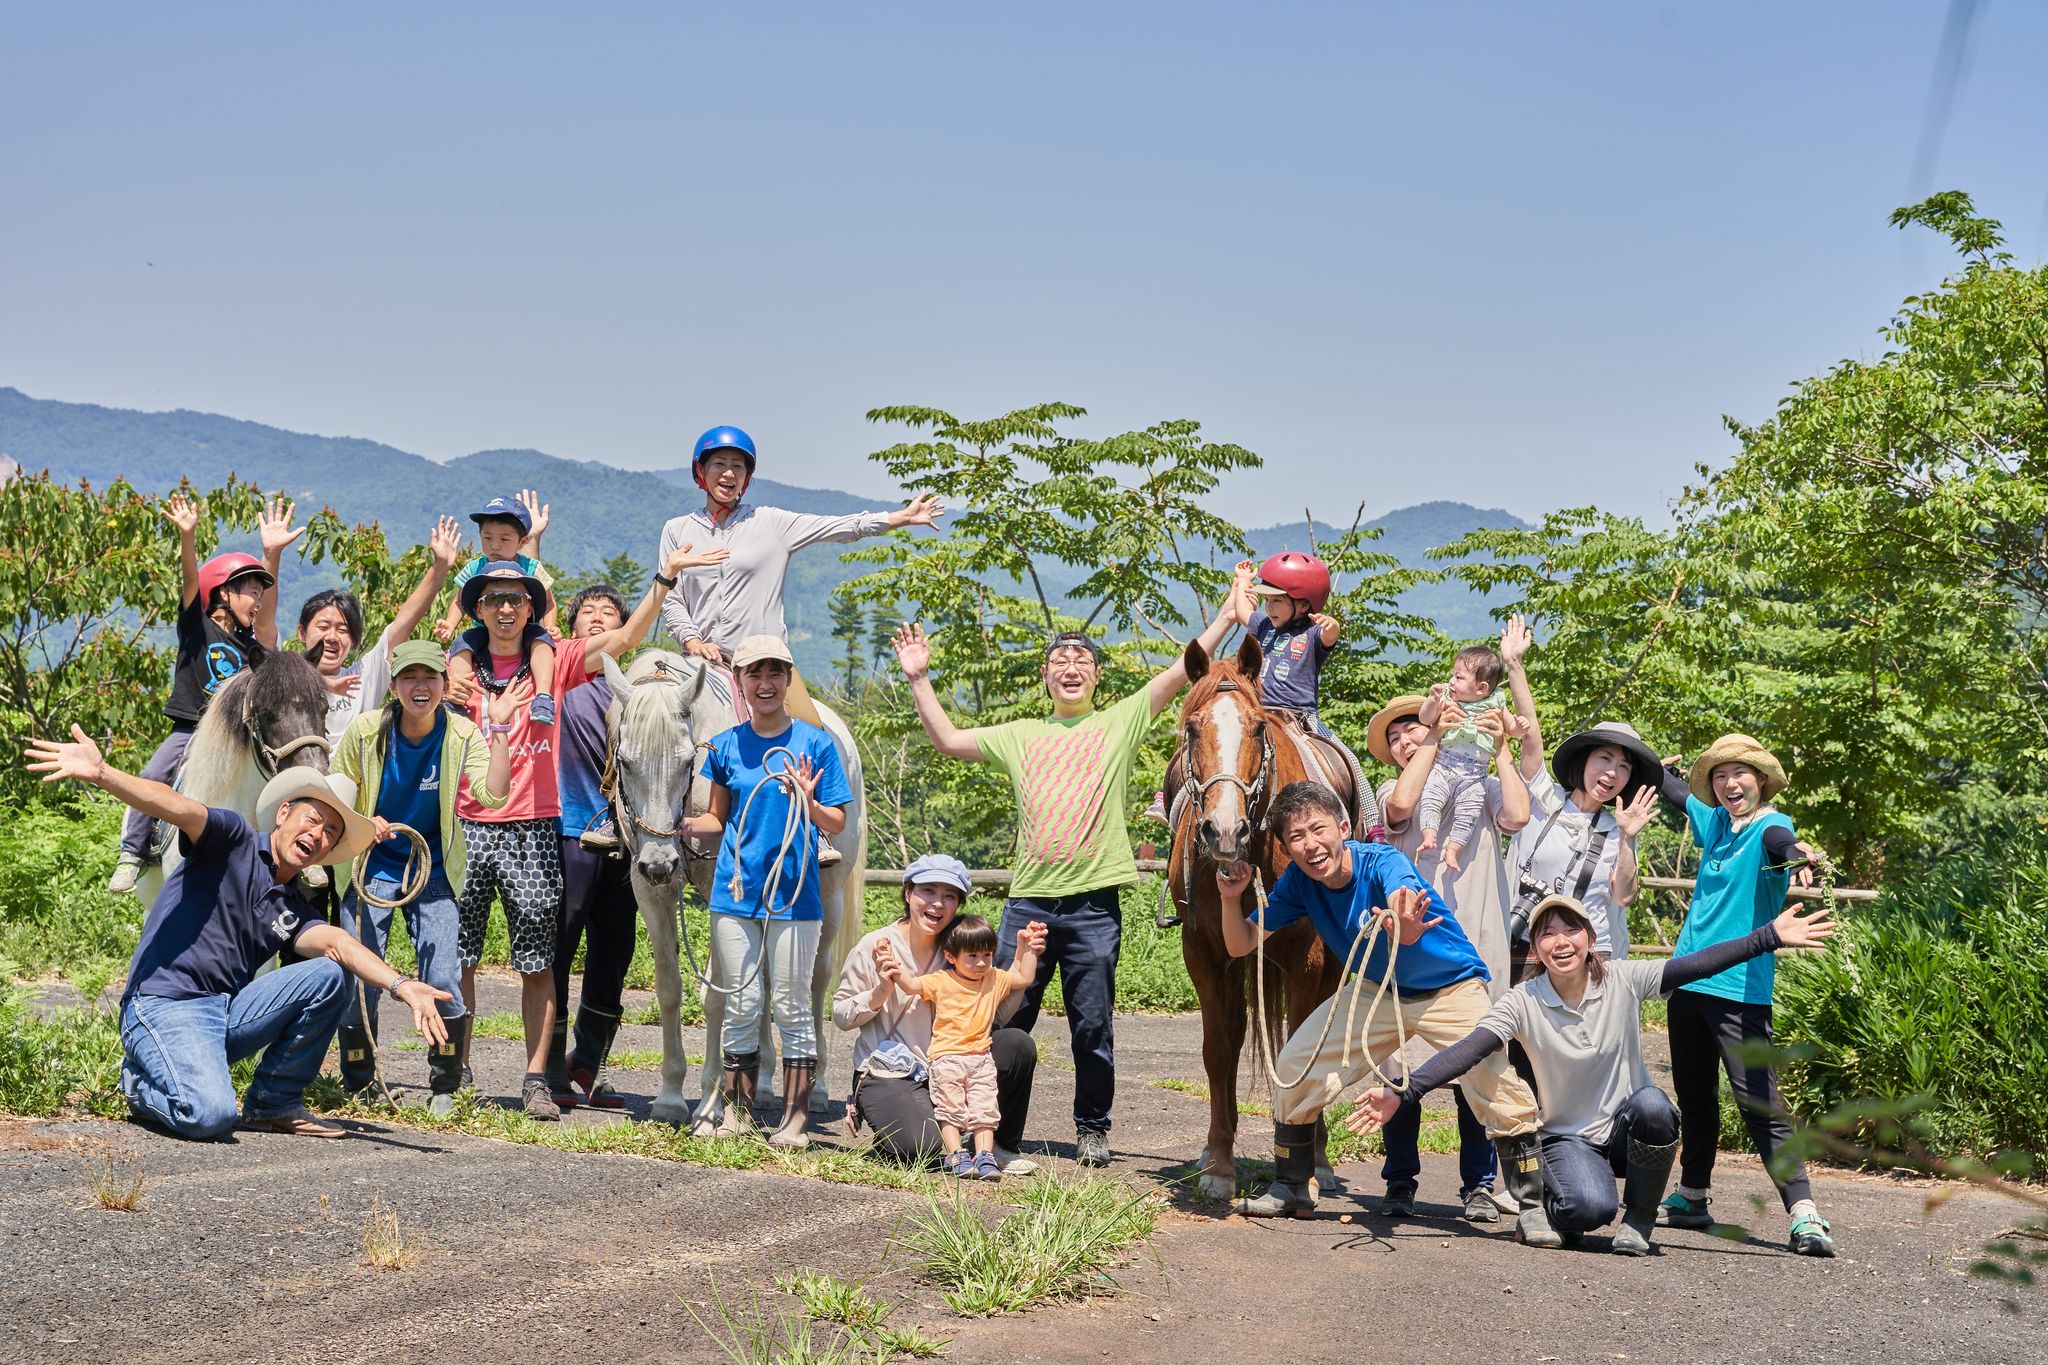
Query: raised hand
[[445, 542], [444, 630], [460, 690], [1515, 639], [181, 512], [913, 651], [536, 512], [1636, 812], [924, 510], [510, 702], [274, 528], [344, 684], [1375, 1110], [804, 774], [79, 760], [687, 558], [1800, 930], [1403, 915]]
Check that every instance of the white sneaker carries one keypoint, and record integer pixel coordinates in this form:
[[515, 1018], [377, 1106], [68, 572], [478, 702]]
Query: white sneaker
[[1013, 1164], [828, 856]]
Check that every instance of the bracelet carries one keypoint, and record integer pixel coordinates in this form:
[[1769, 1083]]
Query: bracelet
[[664, 580], [494, 729], [392, 989]]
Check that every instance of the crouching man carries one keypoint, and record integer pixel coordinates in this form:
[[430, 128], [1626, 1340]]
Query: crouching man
[[194, 1003], [1438, 989]]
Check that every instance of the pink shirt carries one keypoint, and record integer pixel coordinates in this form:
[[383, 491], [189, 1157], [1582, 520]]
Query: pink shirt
[[536, 788]]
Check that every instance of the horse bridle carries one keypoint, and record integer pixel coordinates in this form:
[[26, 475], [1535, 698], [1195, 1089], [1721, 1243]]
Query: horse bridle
[[1253, 791], [608, 780], [270, 760]]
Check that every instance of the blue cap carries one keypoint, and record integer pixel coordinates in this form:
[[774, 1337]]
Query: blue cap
[[939, 869], [503, 507]]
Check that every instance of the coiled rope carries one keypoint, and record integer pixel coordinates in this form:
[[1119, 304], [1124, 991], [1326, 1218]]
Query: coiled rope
[[797, 832], [419, 866]]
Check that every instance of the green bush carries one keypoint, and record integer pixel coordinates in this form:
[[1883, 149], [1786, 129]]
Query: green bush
[[54, 1059], [56, 915], [1933, 993]]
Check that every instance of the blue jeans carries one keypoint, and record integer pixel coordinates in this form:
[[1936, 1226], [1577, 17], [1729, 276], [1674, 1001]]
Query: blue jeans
[[1402, 1136], [1578, 1176], [434, 923], [1084, 934], [175, 1068]]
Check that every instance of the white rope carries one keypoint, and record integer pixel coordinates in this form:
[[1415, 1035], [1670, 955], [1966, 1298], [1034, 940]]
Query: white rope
[[796, 826], [1367, 933]]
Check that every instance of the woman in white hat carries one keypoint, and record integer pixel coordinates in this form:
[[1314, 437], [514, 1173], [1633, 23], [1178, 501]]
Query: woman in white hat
[[194, 1003], [771, 776], [1579, 1020], [1748, 849], [893, 1030]]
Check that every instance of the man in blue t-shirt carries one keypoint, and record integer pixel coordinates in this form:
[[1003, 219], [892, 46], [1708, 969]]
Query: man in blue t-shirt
[[1437, 990], [194, 1003]]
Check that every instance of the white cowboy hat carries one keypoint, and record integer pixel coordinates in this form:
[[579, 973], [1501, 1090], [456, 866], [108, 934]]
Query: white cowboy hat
[[333, 791]]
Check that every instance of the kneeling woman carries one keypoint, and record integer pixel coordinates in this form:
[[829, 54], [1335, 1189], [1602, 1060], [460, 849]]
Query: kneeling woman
[[891, 1093], [1580, 1022], [766, 913]]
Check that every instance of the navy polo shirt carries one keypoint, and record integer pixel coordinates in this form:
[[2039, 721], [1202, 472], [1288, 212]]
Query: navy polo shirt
[[222, 914], [1442, 957]]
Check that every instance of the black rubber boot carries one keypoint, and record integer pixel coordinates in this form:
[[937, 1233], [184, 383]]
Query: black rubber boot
[[1294, 1165], [796, 1104], [560, 1089], [740, 1082], [358, 1058], [444, 1066], [594, 1032], [1521, 1170], [1642, 1189]]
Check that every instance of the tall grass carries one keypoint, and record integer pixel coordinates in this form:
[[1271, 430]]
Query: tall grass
[[1059, 1244], [52, 1060]]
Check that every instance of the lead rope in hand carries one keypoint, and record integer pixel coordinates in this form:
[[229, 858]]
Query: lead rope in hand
[[419, 866], [797, 832], [1367, 933]]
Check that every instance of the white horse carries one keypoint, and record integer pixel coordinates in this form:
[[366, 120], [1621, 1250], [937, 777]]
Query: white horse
[[271, 716], [663, 714]]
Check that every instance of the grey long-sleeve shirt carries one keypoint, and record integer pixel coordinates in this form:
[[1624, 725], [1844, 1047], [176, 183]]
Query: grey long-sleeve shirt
[[727, 602]]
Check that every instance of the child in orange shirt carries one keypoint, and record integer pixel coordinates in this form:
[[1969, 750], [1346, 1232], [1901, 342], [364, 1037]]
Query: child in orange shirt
[[964, 1000]]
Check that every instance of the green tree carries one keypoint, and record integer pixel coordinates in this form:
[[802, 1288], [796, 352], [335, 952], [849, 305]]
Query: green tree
[[621, 571], [847, 626]]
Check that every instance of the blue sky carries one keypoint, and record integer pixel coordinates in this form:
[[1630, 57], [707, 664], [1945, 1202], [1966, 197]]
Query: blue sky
[[1519, 255]]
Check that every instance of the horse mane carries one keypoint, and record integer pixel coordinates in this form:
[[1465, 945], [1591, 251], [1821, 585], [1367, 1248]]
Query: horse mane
[[222, 752], [649, 720]]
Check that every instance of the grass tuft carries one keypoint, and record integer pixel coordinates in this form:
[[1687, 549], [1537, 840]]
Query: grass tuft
[[114, 1178], [827, 1298], [385, 1245]]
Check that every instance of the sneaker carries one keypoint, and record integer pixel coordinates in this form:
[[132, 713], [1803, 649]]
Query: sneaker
[[828, 856], [126, 871], [541, 710], [1091, 1147], [602, 839], [985, 1167], [1810, 1237], [1014, 1164], [1682, 1211], [533, 1096], [1399, 1200], [1156, 812], [961, 1164], [1480, 1208]]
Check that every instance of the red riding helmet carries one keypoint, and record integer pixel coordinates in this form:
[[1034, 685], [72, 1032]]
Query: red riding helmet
[[221, 570], [1296, 575]]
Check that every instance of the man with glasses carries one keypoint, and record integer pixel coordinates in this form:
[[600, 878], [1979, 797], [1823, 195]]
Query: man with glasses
[[1069, 773]]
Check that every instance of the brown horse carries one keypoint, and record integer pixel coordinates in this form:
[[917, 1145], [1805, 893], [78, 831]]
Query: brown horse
[[1235, 759]]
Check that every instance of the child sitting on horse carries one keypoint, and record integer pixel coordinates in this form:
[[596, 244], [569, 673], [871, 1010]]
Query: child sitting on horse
[[1292, 630], [1458, 781], [506, 529], [964, 1000], [227, 620]]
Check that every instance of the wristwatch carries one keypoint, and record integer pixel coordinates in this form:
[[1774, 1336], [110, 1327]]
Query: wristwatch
[[392, 989], [664, 580]]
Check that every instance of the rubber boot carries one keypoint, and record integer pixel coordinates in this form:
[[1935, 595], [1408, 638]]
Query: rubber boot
[[796, 1104], [560, 1089], [740, 1082], [1521, 1169], [595, 1029], [1642, 1189], [358, 1058], [1294, 1165], [444, 1066]]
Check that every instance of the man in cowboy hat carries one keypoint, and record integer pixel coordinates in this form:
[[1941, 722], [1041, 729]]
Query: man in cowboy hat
[[194, 1003]]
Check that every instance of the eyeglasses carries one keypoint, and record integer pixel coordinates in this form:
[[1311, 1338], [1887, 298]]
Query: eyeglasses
[[1070, 656]]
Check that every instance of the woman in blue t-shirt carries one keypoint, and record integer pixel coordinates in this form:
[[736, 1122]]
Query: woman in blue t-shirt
[[766, 913], [1747, 851]]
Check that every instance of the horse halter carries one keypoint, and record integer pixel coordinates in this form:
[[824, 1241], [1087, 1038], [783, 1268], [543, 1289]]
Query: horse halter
[[1253, 791], [269, 759], [608, 780]]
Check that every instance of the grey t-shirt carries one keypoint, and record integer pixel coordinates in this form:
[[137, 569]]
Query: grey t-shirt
[[1587, 1060]]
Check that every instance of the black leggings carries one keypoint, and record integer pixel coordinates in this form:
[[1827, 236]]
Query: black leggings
[[1708, 1035], [597, 899], [899, 1110]]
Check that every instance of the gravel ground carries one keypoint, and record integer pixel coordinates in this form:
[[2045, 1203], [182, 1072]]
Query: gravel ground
[[254, 1250]]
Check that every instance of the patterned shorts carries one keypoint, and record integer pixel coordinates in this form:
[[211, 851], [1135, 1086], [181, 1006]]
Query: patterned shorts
[[518, 862]]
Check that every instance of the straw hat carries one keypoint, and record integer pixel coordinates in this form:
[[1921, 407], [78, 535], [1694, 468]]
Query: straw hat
[[331, 790], [1736, 749], [1568, 764], [1400, 708]]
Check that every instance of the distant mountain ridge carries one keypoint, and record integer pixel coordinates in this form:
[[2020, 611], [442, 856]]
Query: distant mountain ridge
[[598, 510]]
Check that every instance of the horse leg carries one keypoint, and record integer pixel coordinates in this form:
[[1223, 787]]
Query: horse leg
[[658, 912], [1219, 986]]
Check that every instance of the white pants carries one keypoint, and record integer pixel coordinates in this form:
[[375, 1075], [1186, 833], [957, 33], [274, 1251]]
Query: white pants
[[792, 947]]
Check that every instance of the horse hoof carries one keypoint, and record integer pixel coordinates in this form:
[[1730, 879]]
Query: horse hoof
[[1219, 1187], [675, 1113]]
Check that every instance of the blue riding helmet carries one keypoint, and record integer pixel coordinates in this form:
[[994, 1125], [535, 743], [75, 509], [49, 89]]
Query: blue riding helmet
[[724, 438]]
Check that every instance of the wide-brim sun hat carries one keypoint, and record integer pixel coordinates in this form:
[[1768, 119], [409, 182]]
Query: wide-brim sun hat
[[497, 574], [939, 869], [760, 649], [332, 790], [1400, 708], [1568, 764], [1736, 749]]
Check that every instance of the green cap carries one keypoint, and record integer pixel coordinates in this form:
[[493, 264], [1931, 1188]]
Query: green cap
[[416, 652]]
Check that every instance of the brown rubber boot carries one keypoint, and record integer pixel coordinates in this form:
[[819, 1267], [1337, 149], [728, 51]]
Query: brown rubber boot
[[740, 1081], [796, 1104]]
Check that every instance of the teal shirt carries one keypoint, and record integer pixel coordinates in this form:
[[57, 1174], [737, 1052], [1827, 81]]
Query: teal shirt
[[1735, 895]]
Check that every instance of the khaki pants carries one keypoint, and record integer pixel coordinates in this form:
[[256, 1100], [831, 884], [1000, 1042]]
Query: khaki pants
[[1501, 1099]]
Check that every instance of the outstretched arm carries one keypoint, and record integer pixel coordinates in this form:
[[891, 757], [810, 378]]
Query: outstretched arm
[[1240, 935], [619, 639], [1377, 1106], [1515, 640], [275, 530], [445, 544], [1170, 680], [1024, 967], [325, 940], [183, 513], [914, 656], [80, 761]]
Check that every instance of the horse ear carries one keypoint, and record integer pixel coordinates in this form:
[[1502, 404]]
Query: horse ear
[[1250, 658], [614, 676], [1197, 660], [700, 673]]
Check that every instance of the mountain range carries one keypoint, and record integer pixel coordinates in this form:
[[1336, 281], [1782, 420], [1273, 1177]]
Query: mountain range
[[598, 510]]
